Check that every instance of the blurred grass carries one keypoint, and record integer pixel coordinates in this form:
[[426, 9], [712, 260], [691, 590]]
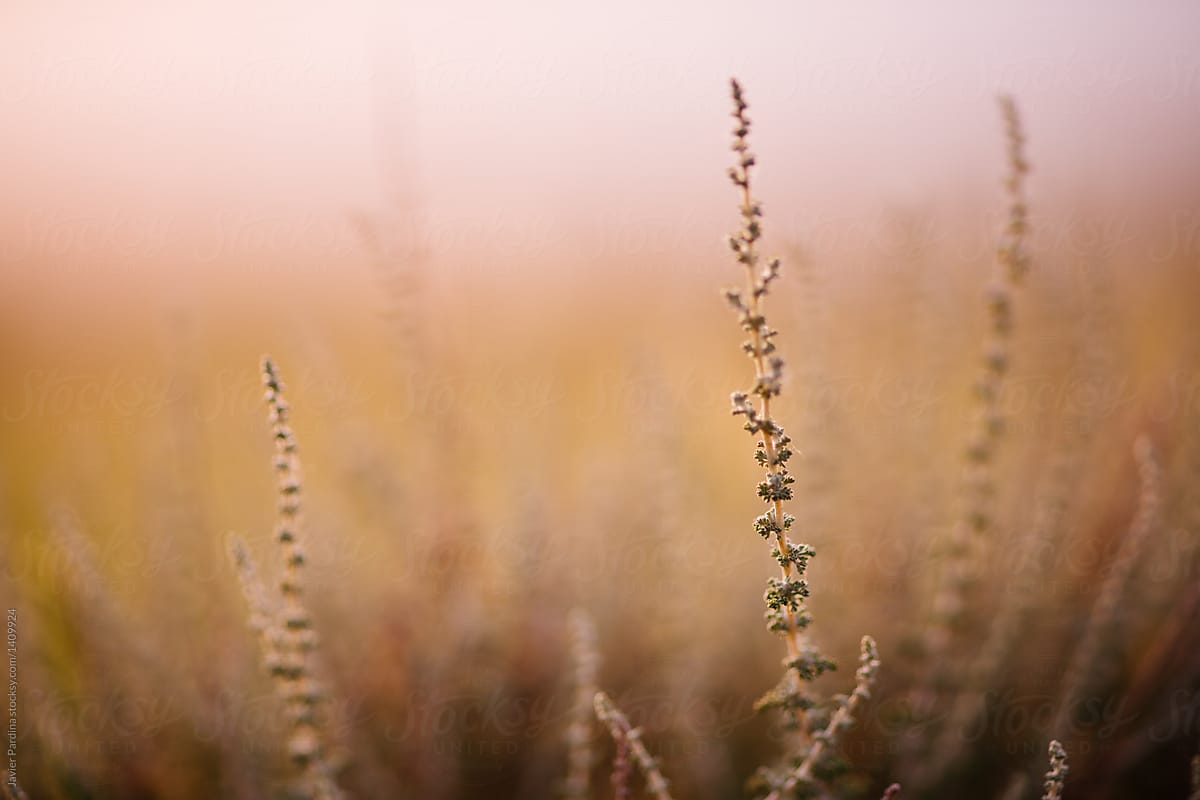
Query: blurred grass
[[559, 445]]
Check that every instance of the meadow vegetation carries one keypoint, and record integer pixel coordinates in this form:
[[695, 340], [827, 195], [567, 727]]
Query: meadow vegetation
[[532, 553]]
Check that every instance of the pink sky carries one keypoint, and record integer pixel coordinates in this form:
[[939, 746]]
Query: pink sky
[[146, 139]]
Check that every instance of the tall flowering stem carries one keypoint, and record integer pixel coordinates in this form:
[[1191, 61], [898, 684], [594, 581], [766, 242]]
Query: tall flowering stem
[[843, 717], [292, 639], [785, 597], [1106, 608], [976, 517], [629, 744], [1056, 777], [580, 753]]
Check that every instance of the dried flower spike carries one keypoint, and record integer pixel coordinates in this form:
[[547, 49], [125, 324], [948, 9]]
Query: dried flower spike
[[629, 737], [785, 597], [843, 717], [1057, 776], [1107, 605], [975, 518], [283, 623], [580, 754]]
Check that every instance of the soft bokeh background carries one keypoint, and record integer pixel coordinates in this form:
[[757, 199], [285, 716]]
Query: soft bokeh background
[[484, 243]]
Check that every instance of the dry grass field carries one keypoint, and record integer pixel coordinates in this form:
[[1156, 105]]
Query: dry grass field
[[405, 525]]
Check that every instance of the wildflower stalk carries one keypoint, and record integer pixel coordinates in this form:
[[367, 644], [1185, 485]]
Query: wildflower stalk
[[1057, 776], [283, 623], [627, 736], [1106, 606], [843, 718], [621, 771], [975, 518], [787, 613], [785, 596], [991, 659], [262, 610], [581, 757]]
